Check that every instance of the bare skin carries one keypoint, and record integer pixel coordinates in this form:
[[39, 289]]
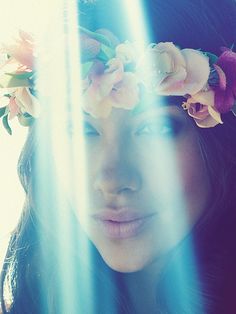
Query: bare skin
[[138, 210]]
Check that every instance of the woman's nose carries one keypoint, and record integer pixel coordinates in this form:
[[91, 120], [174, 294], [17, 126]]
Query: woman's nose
[[116, 175]]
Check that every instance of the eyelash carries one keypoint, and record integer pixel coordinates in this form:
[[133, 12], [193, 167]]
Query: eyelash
[[162, 128], [89, 130], [165, 128]]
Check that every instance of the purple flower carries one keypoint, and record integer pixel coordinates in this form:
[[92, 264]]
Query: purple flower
[[225, 90]]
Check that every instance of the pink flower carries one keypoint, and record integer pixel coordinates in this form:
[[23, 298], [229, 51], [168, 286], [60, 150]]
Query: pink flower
[[19, 101], [171, 71], [201, 107], [99, 85], [113, 40], [89, 47], [9, 66], [107, 88], [225, 91], [10, 104], [125, 93], [14, 109], [22, 50], [27, 102], [126, 52]]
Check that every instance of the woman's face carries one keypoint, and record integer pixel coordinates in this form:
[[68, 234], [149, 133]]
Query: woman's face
[[147, 185]]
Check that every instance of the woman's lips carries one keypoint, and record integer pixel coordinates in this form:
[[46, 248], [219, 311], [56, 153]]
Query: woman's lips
[[121, 224]]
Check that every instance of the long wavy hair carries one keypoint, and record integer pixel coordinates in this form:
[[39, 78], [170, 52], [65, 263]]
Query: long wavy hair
[[204, 24]]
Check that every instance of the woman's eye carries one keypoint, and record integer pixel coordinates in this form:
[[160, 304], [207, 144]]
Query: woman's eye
[[166, 128], [89, 130]]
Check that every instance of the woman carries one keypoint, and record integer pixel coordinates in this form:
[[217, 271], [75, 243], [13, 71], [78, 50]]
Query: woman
[[160, 215]]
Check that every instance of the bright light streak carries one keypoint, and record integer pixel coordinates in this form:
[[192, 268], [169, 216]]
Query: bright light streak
[[59, 89], [64, 67], [136, 22], [171, 196], [59, 85]]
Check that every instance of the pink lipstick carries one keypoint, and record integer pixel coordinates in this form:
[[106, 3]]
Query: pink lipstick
[[122, 223]]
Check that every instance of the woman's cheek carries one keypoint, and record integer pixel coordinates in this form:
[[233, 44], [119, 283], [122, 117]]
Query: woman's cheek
[[195, 181], [173, 171]]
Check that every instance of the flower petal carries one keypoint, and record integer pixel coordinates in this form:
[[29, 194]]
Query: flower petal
[[198, 70], [126, 93], [215, 114], [204, 98], [27, 101], [158, 63], [173, 84], [89, 47], [4, 101], [201, 107], [224, 100], [13, 108], [100, 109], [173, 51], [126, 52], [208, 122], [222, 77]]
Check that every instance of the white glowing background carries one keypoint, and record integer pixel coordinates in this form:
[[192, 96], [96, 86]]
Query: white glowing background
[[14, 14]]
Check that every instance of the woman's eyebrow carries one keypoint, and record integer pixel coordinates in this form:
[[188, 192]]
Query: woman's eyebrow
[[148, 103], [86, 114]]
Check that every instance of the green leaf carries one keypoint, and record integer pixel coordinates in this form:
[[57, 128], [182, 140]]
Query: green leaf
[[6, 124], [212, 58], [25, 119], [109, 52], [99, 37], [106, 53], [86, 68], [21, 76], [2, 111], [102, 57], [12, 81]]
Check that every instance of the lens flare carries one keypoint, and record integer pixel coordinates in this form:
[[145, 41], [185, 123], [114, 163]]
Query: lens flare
[[61, 167]]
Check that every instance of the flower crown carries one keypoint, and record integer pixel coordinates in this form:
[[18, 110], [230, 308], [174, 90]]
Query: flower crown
[[114, 74]]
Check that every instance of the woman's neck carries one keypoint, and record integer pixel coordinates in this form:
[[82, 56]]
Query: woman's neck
[[141, 287]]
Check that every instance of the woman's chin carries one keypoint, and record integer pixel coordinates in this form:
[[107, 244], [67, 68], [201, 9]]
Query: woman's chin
[[126, 263], [124, 266]]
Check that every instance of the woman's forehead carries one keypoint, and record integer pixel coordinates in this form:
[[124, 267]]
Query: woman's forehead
[[147, 108], [151, 102]]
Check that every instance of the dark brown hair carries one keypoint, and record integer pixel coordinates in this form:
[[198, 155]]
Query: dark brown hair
[[189, 23]]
